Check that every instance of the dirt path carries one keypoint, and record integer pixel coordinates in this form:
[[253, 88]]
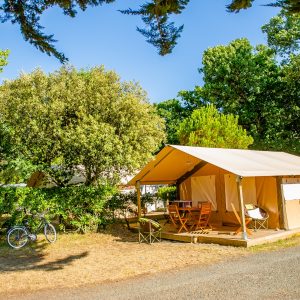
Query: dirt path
[[80, 260], [266, 275]]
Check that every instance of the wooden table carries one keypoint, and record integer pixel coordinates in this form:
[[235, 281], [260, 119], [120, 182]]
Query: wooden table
[[182, 203], [189, 209]]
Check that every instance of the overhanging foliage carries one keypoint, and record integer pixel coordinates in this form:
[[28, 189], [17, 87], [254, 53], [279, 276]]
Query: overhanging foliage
[[159, 31]]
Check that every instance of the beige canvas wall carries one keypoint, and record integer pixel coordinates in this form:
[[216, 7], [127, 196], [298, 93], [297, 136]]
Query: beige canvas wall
[[257, 190], [204, 189], [266, 193], [292, 204], [231, 192], [293, 213], [185, 190], [216, 192]]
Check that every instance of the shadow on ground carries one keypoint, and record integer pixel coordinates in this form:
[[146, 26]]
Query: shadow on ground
[[31, 257], [121, 233]]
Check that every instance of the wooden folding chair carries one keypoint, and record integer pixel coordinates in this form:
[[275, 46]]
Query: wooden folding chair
[[179, 221], [247, 221], [200, 219]]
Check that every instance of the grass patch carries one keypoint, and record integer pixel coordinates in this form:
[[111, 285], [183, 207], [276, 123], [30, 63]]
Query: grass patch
[[76, 260], [292, 241]]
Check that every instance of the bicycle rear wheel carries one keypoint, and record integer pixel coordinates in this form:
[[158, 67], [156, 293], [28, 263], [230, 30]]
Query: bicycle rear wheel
[[50, 233], [17, 237]]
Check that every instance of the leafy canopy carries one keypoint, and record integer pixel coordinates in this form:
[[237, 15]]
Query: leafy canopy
[[283, 33], [174, 111], [260, 84], [86, 118], [249, 82], [291, 6], [4, 136], [159, 31], [3, 59], [207, 127]]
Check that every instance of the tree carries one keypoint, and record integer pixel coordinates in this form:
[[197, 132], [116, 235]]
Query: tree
[[249, 82], [5, 139], [3, 59], [174, 111], [207, 127], [159, 31], [243, 80], [291, 104], [283, 33], [4, 143], [13, 167], [86, 117], [291, 6]]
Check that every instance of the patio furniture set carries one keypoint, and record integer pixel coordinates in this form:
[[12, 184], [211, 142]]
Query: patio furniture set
[[182, 216], [188, 218], [195, 220]]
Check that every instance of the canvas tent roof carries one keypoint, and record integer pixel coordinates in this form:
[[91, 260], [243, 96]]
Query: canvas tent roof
[[172, 162]]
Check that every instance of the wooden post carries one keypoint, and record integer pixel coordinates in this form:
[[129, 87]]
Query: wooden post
[[167, 201], [177, 191], [241, 203], [283, 223], [138, 192]]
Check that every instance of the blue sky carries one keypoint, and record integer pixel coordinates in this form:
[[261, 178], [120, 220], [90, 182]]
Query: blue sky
[[103, 36]]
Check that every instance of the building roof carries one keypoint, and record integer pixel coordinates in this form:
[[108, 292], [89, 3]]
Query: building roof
[[173, 162]]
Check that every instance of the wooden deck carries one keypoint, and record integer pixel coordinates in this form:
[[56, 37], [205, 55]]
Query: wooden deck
[[224, 235]]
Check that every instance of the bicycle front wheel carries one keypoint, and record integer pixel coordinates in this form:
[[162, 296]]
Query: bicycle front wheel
[[50, 233], [17, 237]]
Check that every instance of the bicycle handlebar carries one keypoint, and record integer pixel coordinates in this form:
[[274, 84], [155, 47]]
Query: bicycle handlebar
[[28, 213]]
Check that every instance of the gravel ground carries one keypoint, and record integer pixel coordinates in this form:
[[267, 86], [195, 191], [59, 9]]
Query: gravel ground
[[93, 259], [266, 275]]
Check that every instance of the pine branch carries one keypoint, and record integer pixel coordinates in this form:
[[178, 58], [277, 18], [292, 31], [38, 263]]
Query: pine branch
[[159, 32], [27, 14], [291, 6], [237, 5]]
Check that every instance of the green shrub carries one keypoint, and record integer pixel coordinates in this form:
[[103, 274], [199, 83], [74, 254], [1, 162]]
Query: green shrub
[[124, 204], [167, 193], [127, 201], [78, 208]]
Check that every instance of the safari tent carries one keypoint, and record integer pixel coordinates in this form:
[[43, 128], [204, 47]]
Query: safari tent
[[224, 177]]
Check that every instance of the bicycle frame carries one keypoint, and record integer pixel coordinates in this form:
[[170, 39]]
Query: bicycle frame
[[41, 225], [19, 232], [29, 231]]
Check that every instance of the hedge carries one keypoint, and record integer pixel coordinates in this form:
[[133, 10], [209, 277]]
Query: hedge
[[80, 208]]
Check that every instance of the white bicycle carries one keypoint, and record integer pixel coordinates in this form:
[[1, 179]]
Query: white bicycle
[[19, 235]]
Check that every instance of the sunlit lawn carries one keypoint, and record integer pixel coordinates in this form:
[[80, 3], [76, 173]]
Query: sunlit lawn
[[76, 260]]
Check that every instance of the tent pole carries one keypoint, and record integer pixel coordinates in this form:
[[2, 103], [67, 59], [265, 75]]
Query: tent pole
[[241, 203], [138, 192], [283, 223]]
